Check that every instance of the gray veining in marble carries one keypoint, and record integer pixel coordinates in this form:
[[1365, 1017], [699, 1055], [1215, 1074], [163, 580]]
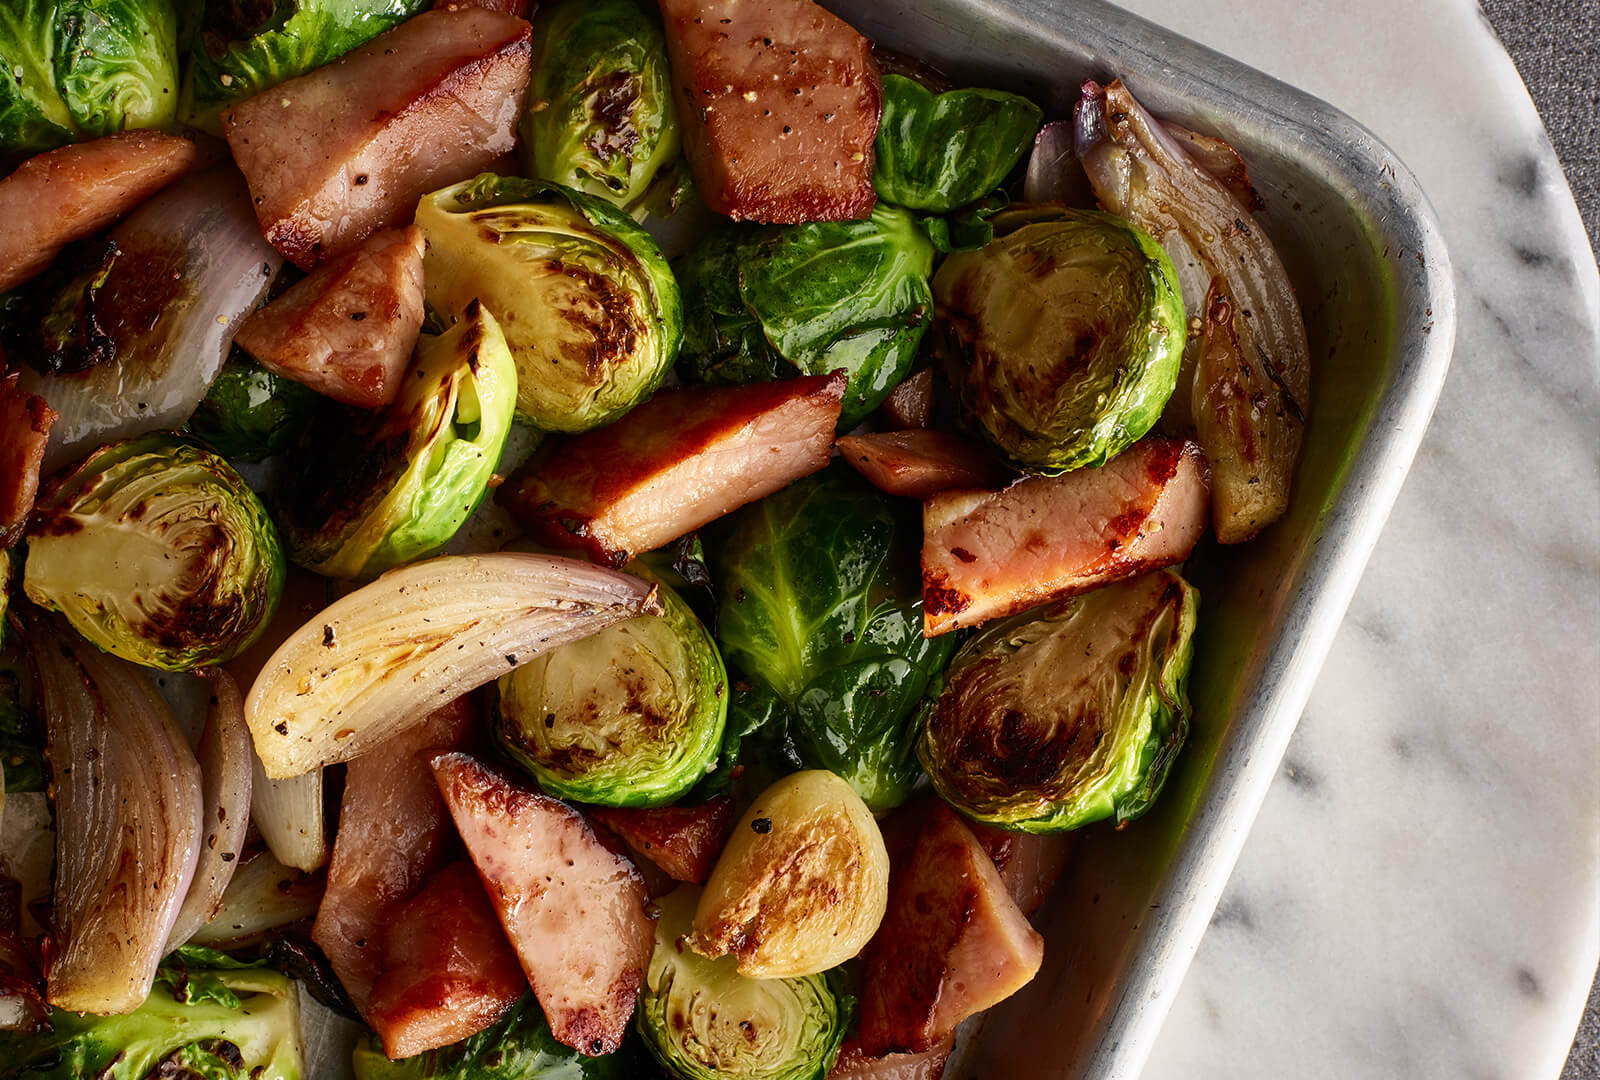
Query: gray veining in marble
[[1418, 897]]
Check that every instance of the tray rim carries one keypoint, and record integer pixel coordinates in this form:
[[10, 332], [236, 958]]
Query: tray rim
[[1166, 65]]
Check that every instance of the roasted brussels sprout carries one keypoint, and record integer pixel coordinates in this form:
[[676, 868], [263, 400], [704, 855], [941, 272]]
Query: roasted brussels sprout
[[1067, 714], [367, 491], [156, 550], [817, 297], [600, 116], [21, 738], [249, 413], [629, 716], [942, 151], [801, 885], [518, 1047], [1062, 336], [702, 1020], [237, 50], [77, 69], [208, 1016], [590, 307], [821, 603]]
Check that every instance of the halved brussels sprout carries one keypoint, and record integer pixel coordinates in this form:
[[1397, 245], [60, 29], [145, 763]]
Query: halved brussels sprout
[[818, 297], [702, 1020], [156, 551], [802, 884], [941, 151], [1067, 714], [250, 413], [367, 491], [600, 116], [77, 69], [1062, 336], [630, 716], [590, 308]]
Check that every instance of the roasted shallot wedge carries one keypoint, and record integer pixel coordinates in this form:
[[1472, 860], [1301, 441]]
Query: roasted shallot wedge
[[684, 458], [575, 911], [348, 328], [921, 463], [349, 148], [952, 943], [25, 422], [128, 822], [394, 831], [75, 191], [448, 971], [683, 841], [1247, 375], [263, 896], [225, 759], [376, 661], [779, 103], [992, 553]]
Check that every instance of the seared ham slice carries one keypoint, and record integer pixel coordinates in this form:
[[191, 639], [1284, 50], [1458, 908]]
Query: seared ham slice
[[574, 909], [1028, 863], [684, 458], [952, 943], [346, 330], [393, 833], [909, 405], [778, 101], [920, 463], [348, 149], [992, 553], [25, 422], [852, 1064], [75, 191], [448, 971], [684, 841]]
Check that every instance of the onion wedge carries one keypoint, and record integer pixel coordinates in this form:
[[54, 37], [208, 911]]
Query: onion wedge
[[128, 823], [289, 815], [263, 895], [1247, 375], [225, 767], [380, 659]]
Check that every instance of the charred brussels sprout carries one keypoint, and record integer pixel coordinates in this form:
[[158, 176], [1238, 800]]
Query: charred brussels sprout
[[702, 1020], [1067, 714], [590, 307], [237, 49], [208, 1016], [1062, 336], [630, 716], [600, 116], [821, 608], [817, 297], [79, 69], [518, 1047], [368, 491], [942, 151], [156, 550], [250, 413]]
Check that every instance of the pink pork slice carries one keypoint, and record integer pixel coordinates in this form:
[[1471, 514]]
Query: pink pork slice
[[575, 911], [920, 463], [991, 553], [682, 459], [25, 423], [952, 943], [337, 154], [66, 194], [346, 330], [852, 1064], [394, 832], [778, 101]]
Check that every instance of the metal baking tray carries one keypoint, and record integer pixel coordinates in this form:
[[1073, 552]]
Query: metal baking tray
[[1365, 253], [1364, 250]]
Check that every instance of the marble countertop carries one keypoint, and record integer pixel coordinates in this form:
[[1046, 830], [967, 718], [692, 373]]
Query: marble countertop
[[1420, 896]]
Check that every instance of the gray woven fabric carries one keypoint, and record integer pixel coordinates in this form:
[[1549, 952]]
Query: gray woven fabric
[[1556, 46]]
